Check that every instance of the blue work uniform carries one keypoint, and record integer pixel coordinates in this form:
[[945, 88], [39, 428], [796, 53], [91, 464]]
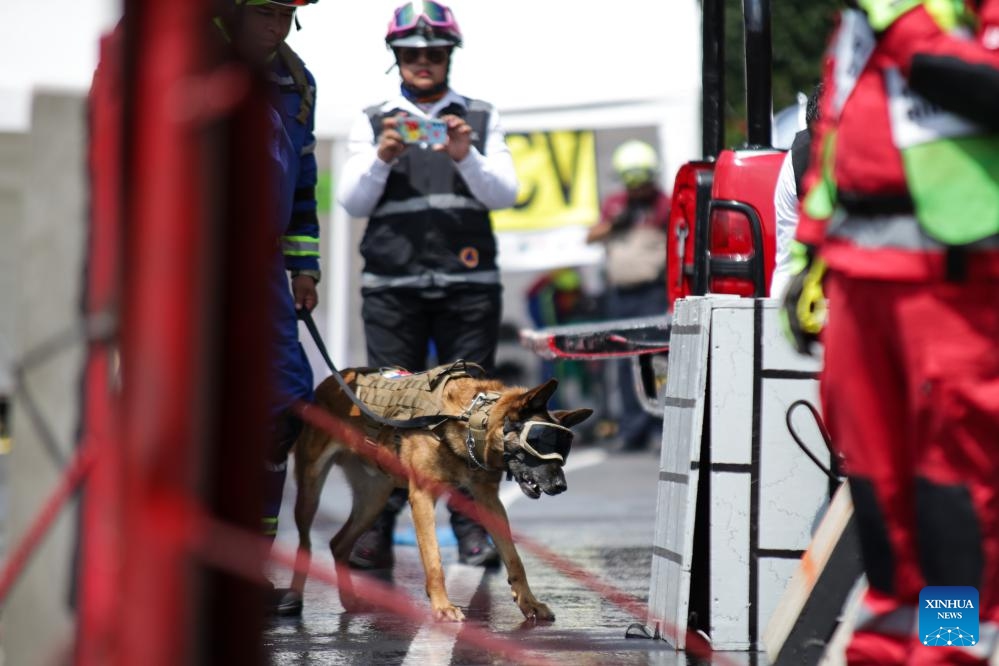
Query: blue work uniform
[[299, 228], [292, 149]]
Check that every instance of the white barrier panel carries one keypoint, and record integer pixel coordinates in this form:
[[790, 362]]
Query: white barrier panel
[[678, 478], [733, 486]]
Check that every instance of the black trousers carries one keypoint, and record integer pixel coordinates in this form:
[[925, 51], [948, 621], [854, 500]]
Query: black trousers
[[399, 326], [462, 322]]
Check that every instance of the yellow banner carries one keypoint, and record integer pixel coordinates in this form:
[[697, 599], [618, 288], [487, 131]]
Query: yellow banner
[[558, 181]]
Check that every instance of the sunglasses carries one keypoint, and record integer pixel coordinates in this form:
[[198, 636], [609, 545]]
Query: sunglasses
[[435, 55], [546, 441], [433, 13]]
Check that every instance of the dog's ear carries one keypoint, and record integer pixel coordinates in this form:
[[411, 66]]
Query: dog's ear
[[569, 418], [537, 398]]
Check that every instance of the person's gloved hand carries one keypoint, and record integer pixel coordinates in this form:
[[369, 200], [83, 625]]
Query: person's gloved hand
[[803, 312]]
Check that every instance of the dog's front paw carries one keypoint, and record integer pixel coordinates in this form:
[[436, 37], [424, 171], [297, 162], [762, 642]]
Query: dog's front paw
[[448, 613], [354, 604], [535, 610], [350, 603]]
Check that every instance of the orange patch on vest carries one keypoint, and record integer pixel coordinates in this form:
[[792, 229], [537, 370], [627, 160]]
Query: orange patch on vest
[[469, 256]]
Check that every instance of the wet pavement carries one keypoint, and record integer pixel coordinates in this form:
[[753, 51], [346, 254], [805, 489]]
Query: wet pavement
[[603, 524]]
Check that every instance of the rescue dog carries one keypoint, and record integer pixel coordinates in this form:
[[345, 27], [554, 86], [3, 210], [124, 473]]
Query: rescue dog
[[493, 430]]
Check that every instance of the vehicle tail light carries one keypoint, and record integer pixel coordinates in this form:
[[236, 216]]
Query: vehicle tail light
[[732, 251], [731, 235]]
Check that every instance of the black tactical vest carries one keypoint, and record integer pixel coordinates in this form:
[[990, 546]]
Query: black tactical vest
[[427, 220]]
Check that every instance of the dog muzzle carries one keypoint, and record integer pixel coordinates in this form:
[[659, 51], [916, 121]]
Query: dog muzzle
[[546, 441]]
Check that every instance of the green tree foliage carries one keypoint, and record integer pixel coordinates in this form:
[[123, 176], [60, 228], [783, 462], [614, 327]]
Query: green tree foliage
[[801, 31]]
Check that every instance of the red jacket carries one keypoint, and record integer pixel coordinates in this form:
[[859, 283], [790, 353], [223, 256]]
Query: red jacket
[[616, 204], [867, 165]]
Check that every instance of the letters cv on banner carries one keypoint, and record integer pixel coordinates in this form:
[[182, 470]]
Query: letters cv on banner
[[557, 202]]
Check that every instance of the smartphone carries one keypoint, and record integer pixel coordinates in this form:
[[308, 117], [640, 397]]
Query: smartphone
[[422, 131]]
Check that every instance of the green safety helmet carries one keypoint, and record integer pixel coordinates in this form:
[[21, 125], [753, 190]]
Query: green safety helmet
[[635, 163]]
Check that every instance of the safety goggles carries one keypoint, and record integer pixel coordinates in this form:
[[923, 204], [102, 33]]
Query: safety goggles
[[434, 14], [637, 177], [436, 55], [546, 441]]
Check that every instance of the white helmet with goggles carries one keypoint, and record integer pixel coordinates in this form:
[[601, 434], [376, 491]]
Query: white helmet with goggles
[[635, 162], [421, 25]]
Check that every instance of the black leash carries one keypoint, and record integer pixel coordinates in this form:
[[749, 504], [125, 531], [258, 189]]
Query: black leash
[[416, 423]]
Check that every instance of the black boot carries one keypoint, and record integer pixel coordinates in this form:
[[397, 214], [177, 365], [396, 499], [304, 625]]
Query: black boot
[[373, 549], [280, 601], [475, 548], [284, 602]]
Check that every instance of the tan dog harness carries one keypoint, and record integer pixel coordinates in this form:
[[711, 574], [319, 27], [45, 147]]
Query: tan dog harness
[[396, 394]]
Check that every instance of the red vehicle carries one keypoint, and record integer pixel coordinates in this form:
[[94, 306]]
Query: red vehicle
[[721, 228], [722, 225]]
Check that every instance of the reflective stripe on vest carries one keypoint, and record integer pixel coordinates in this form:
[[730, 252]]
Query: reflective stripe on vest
[[300, 246], [951, 166], [428, 202], [852, 48], [855, 41], [900, 232], [428, 280]]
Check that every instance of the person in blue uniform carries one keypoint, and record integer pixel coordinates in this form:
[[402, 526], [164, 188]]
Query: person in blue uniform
[[257, 29]]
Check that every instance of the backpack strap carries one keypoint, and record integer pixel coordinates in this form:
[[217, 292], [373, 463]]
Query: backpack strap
[[305, 90]]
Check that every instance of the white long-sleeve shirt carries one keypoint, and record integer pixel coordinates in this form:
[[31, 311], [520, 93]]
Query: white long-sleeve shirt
[[786, 213], [490, 176]]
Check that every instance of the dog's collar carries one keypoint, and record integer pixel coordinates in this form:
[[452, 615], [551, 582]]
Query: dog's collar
[[477, 416]]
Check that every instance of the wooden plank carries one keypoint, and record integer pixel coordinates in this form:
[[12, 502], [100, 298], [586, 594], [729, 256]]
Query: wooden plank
[[810, 608]]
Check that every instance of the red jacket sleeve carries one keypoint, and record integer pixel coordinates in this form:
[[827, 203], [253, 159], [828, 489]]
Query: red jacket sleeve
[[958, 74]]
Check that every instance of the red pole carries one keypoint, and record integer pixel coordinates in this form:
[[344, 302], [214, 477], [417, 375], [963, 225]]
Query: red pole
[[165, 320], [101, 516], [181, 239]]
